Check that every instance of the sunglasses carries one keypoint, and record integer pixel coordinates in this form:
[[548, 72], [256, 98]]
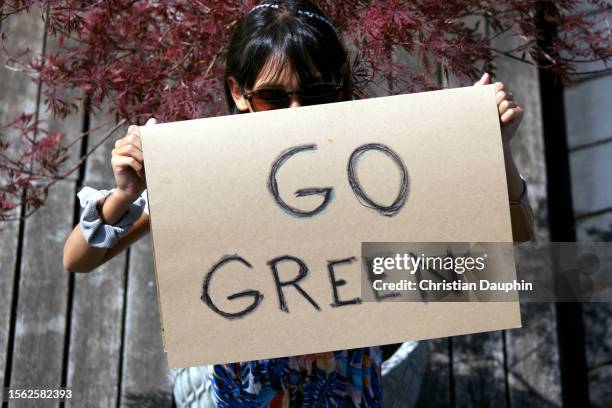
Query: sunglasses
[[274, 98]]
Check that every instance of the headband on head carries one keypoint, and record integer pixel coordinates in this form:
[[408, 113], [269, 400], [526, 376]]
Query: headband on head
[[302, 12]]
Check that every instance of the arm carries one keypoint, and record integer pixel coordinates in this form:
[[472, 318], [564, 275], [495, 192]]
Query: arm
[[510, 116], [521, 214], [128, 168], [79, 256]]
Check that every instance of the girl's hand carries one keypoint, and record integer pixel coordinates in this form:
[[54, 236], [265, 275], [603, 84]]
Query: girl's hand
[[510, 113], [128, 164]]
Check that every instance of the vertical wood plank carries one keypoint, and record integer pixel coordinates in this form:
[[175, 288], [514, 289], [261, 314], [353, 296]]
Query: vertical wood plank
[[533, 358], [532, 354], [40, 315], [145, 363], [587, 107], [19, 95], [41, 312], [43, 300], [9, 235], [598, 328], [95, 350], [436, 385], [591, 181], [478, 370]]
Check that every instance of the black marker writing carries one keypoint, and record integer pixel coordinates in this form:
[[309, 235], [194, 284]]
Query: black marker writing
[[257, 296], [294, 282], [396, 206], [273, 185], [340, 282]]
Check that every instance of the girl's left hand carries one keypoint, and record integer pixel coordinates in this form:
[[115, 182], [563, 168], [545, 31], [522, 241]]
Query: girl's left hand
[[510, 113]]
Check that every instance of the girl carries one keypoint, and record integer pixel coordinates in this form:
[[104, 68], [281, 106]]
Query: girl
[[283, 54]]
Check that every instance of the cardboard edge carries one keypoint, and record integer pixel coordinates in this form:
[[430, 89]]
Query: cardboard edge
[[491, 88], [174, 363], [157, 289]]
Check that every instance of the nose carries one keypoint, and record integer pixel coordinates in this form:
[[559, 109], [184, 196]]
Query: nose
[[295, 101]]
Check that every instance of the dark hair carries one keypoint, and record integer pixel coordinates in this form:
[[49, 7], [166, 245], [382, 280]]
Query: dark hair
[[286, 29]]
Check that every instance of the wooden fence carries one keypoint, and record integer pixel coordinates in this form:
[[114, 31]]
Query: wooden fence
[[99, 333]]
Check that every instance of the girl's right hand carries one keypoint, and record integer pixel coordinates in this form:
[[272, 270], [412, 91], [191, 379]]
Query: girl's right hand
[[128, 165]]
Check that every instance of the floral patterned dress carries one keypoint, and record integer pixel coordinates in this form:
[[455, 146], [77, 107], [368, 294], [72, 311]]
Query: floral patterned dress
[[344, 378]]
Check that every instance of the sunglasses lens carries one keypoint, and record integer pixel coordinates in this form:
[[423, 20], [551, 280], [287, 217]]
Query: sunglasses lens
[[317, 94], [314, 94], [268, 99]]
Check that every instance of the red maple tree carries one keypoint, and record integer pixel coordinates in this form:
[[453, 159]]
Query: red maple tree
[[165, 59]]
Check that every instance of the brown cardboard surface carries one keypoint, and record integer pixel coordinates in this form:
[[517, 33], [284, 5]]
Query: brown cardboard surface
[[209, 197]]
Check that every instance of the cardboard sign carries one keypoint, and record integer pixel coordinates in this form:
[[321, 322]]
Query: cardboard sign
[[249, 211]]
